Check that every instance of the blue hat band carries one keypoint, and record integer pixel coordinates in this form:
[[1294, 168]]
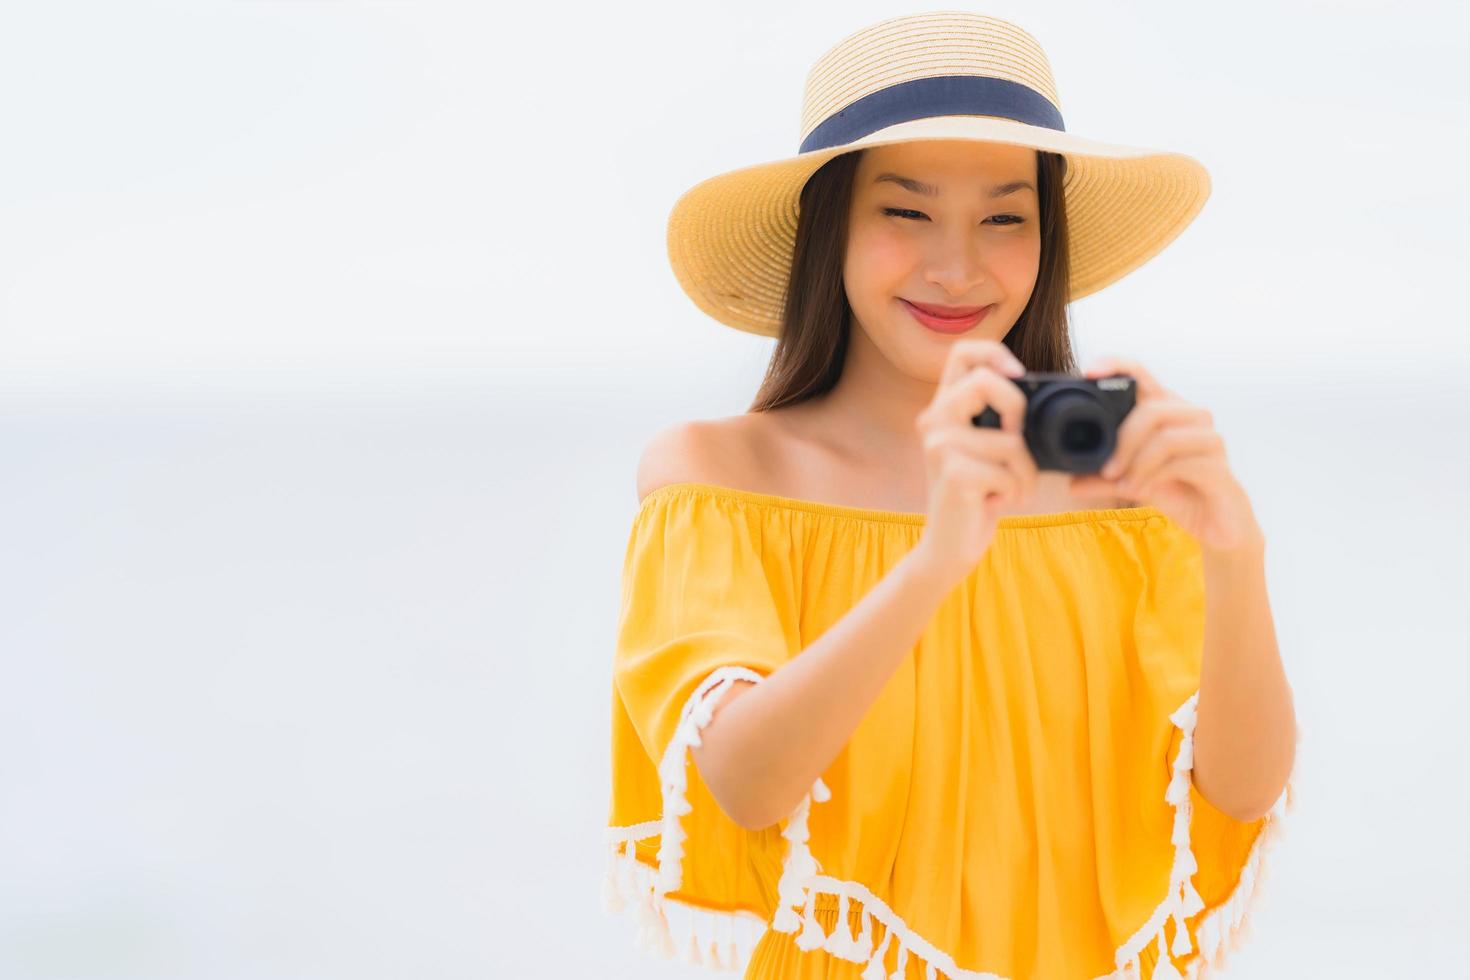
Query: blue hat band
[[938, 95]]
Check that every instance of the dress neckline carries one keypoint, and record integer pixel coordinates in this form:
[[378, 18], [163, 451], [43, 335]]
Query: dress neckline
[[1086, 516]]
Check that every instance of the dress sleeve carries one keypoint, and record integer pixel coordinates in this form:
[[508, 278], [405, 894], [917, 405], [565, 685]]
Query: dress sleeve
[[695, 599], [1218, 860], [697, 615]]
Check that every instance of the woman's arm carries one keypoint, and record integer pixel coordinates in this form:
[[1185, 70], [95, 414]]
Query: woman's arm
[[766, 744], [1169, 455], [1244, 736]]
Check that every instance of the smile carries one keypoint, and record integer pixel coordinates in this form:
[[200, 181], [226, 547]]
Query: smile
[[944, 324]]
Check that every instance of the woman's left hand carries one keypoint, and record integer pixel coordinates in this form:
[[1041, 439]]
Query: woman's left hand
[[1169, 456]]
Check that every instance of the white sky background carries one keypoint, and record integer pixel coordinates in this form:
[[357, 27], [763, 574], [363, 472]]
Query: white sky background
[[330, 333]]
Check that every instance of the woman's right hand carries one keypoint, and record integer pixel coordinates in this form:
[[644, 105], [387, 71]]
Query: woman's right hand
[[973, 472]]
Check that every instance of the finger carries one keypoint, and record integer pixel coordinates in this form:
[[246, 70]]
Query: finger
[[1140, 425], [968, 396], [965, 355], [1168, 445], [979, 479], [990, 445], [1192, 469]]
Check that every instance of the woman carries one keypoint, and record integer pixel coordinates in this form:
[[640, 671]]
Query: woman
[[1041, 710]]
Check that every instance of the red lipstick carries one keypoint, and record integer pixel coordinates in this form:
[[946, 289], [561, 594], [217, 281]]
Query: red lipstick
[[947, 319]]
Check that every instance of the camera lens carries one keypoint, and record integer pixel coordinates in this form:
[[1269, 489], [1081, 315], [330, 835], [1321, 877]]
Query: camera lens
[[1072, 429], [1081, 436]]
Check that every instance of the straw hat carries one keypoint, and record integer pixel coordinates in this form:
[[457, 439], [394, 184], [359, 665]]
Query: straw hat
[[940, 75]]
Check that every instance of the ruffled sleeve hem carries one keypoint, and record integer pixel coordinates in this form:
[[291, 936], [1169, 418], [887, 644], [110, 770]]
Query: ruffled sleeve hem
[[1183, 927], [671, 924]]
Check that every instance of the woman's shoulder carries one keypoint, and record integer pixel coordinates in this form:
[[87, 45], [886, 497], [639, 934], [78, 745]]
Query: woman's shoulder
[[719, 451]]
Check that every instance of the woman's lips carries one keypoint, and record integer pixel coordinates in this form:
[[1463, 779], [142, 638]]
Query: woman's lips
[[944, 324]]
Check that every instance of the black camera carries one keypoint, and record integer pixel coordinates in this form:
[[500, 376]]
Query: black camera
[[1071, 423]]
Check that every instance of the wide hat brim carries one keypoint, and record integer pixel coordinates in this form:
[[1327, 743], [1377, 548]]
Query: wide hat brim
[[730, 237]]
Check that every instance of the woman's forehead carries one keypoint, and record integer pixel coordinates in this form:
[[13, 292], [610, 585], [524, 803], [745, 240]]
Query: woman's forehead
[[945, 165], [929, 159]]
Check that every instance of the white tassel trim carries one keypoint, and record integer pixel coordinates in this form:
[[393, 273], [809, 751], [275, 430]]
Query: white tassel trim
[[1182, 901], [698, 936], [1227, 926], [714, 937], [671, 928]]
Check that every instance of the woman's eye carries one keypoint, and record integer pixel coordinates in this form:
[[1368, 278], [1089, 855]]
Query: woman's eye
[[1002, 219]]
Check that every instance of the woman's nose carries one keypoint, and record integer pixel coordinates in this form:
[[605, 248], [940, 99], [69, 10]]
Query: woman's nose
[[956, 264]]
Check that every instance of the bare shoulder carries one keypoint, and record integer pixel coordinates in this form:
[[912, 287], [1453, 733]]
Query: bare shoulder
[[721, 451]]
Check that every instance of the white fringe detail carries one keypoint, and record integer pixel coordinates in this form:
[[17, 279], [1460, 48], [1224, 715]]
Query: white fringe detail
[[698, 936], [669, 927], [725, 940], [1227, 927]]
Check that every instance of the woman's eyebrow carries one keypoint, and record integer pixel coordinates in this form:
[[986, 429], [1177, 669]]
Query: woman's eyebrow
[[929, 190]]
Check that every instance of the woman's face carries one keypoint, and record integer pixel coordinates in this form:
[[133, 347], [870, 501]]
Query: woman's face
[[956, 245]]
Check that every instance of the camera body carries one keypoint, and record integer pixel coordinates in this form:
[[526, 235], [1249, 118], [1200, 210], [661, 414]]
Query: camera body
[[1071, 423]]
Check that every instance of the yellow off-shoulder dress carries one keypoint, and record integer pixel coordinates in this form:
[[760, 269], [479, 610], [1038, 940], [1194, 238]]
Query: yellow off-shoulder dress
[[1017, 804]]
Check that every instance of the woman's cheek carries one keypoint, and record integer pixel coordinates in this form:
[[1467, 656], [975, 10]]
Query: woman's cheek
[[1024, 259], [886, 253]]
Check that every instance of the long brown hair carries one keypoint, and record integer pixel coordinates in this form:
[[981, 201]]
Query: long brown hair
[[816, 321]]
